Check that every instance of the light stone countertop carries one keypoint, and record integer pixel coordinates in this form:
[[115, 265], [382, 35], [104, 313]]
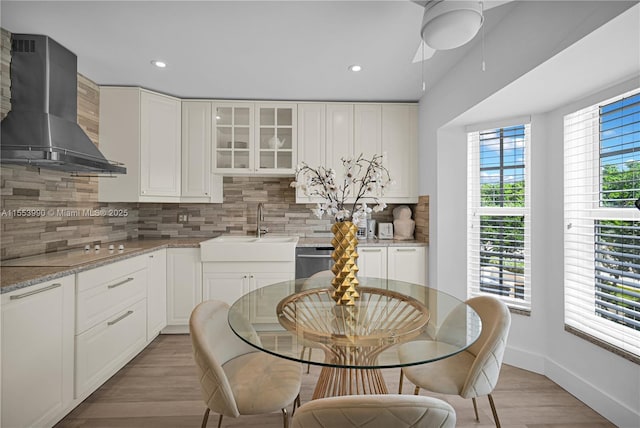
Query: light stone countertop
[[14, 278]]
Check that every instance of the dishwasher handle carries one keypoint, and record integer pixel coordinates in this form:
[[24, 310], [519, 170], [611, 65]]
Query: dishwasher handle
[[314, 256]]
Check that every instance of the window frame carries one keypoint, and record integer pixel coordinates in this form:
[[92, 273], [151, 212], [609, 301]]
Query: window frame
[[582, 176], [475, 212]]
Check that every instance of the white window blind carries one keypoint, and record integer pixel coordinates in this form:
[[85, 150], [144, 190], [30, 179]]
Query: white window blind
[[498, 239], [602, 225]]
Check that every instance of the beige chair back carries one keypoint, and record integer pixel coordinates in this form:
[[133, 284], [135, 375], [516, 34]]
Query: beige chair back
[[375, 411], [214, 343], [490, 346]]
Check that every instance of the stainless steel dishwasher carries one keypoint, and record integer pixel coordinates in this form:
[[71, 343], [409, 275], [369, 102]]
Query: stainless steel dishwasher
[[310, 260]]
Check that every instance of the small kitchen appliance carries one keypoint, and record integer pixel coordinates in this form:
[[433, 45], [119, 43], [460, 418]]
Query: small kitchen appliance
[[385, 231]]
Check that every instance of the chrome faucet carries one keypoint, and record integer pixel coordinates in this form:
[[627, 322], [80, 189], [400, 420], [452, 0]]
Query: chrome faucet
[[260, 229]]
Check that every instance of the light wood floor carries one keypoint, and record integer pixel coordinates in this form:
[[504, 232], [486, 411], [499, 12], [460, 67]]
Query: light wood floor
[[159, 388]]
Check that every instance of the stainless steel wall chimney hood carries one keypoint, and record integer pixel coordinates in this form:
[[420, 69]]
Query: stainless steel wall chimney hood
[[41, 129]]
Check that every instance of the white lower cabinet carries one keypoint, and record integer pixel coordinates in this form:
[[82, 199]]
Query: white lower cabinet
[[372, 262], [402, 263], [224, 286], [407, 264], [229, 281], [184, 286], [37, 353], [111, 320], [106, 348], [156, 293]]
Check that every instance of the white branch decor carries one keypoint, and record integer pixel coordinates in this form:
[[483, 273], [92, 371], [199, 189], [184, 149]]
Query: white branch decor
[[363, 179]]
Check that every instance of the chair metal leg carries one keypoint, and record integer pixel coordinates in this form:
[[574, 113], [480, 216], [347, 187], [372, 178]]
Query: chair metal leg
[[475, 408], [296, 403], [205, 418], [400, 383], [220, 421], [493, 410], [285, 418], [416, 391]]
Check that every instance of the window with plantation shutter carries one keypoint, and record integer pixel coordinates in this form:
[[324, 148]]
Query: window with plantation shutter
[[498, 215], [602, 223]]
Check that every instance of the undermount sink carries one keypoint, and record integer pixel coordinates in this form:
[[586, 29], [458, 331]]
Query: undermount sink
[[236, 248]]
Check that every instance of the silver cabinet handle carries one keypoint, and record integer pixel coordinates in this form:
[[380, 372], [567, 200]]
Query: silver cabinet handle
[[371, 250], [118, 284], [120, 318], [31, 293], [151, 256], [405, 249]]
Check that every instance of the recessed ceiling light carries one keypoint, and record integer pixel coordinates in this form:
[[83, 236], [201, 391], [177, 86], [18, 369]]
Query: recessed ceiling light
[[159, 64], [355, 68]]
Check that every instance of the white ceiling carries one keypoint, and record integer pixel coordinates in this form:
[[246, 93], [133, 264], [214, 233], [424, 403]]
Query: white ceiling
[[611, 53], [291, 50]]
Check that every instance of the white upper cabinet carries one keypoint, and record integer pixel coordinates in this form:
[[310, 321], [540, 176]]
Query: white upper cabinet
[[276, 138], [312, 124], [368, 129], [400, 151], [329, 132], [160, 145], [199, 184], [325, 137], [141, 129], [233, 138], [255, 138], [167, 151], [339, 135]]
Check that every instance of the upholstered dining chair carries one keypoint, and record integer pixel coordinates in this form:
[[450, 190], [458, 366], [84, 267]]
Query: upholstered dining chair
[[235, 378], [473, 372], [375, 411]]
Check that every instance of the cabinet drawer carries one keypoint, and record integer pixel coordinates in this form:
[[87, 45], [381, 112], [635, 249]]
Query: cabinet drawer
[[101, 275], [108, 346], [97, 303]]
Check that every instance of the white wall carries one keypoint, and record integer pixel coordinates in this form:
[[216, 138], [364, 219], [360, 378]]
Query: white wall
[[601, 379], [606, 382], [531, 33]]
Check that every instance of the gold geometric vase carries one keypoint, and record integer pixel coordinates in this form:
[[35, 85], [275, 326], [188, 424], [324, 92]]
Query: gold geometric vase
[[344, 268]]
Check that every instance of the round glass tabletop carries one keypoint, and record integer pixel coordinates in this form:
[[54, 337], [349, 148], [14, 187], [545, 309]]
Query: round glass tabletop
[[392, 324]]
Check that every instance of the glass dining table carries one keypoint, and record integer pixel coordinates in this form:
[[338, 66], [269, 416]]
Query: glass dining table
[[289, 319]]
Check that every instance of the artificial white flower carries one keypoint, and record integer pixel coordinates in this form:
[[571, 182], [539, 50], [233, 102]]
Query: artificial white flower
[[362, 179]]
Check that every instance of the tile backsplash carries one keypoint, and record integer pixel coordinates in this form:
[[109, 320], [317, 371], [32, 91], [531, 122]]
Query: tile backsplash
[[69, 203], [238, 212]]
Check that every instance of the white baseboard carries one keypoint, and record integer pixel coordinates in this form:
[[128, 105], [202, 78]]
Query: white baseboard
[[616, 412], [175, 329], [525, 359]]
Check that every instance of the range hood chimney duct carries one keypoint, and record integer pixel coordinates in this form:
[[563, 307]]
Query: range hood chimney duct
[[41, 129]]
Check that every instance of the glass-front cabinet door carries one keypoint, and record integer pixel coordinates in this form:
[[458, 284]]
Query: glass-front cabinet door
[[276, 141], [233, 134]]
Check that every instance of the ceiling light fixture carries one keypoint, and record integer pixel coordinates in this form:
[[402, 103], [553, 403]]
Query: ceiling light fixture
[[159, 64], [355, 68], [450, 24]]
